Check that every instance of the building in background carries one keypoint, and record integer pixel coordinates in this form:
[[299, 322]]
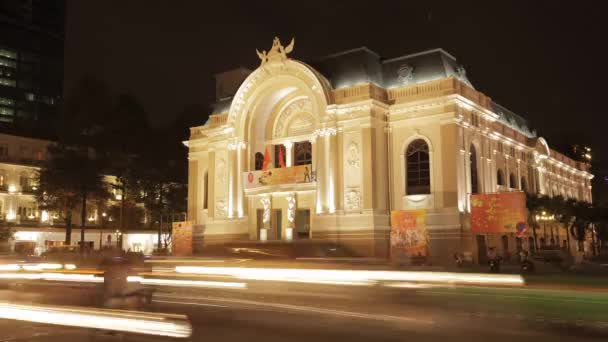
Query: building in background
[[37, 230], [360, 136], [31, 65]]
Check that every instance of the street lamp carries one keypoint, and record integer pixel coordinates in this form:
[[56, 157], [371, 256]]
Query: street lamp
[[544, 218]]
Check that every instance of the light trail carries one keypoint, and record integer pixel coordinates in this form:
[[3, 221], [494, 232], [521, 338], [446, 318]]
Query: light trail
[[72, 277], [187, 283], [323, 276], [36, 267], [125, 321]]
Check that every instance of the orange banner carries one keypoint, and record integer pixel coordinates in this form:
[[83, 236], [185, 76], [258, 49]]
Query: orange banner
[[408, 233], [285, 175], [503, 212], [181, 238]]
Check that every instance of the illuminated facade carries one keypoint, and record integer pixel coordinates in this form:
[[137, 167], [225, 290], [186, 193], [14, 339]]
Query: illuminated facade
[[378, 135]]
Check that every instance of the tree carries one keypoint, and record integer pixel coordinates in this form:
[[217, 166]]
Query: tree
[[67, 179]]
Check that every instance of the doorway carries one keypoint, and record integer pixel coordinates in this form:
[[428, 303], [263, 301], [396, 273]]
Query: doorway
[[302, 224], [482, 254]]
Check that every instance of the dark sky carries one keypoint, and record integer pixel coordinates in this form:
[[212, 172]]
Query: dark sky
[[542, 59]]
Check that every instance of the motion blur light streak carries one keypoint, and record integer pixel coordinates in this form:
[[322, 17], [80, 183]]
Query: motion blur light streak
[[126, 321], [352, 276], [91, 278], [188, 283], [10, 267]]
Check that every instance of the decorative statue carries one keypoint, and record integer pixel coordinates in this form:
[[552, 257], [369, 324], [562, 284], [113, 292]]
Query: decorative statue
[[277, 51]]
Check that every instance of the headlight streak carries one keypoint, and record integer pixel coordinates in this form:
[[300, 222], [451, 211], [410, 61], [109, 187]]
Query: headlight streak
[[36, 267], [352, 276], [186, 283], [89, 278], [125, 321]]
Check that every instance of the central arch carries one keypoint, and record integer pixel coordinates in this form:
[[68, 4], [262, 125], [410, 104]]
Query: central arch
[[273, 84]]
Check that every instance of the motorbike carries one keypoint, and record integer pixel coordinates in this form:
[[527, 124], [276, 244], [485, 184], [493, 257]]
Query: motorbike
[[494, 265], [527, 266]]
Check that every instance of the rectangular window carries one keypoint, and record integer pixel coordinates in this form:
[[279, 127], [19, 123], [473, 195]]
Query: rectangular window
[[3, 150], [8, 54], [7, 82], [7, 111], [6, 102]]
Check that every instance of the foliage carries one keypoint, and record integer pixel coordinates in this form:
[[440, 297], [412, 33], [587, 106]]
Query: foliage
[[6, 232], [67, 179]]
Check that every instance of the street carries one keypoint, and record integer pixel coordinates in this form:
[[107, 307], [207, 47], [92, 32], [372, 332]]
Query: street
[[304, 312]]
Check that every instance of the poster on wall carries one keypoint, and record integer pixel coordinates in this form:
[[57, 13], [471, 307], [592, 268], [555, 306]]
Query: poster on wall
[[181, 238], [409, 235], [503, 212], [286, 175]]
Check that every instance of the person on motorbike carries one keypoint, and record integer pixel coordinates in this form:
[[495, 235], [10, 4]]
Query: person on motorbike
[[493, 259]]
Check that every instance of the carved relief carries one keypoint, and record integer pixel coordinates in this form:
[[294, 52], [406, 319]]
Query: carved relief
[[352, 200], [220, 171], [221, 209], [405, 74], [298, 106], [353, 155]]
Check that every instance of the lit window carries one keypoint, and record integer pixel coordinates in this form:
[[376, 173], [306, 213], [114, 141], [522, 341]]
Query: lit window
[[8, 53], [6, 102], [30, 97], [7, 82], [417, 166], [6, 111]]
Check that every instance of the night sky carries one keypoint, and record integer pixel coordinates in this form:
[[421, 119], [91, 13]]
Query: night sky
[[545, 60]]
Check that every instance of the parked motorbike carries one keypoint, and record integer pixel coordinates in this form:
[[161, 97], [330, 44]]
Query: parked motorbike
[[494, 265], [527, 266]]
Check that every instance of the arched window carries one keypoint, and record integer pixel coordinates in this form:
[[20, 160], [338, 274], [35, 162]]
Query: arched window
[[417, 168], [524, 184], [512, 181], [500, 177], [259, 160], [473, 165]]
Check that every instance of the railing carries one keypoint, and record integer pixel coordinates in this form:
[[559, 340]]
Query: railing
[[218, 119], [360, 92]]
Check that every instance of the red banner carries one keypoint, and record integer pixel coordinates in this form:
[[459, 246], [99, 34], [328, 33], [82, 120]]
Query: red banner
[[503, 212], [408, 233]]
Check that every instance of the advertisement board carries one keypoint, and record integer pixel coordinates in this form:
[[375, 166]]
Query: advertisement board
[[285, 175], [503, 212], [181, 238], [409, 235]]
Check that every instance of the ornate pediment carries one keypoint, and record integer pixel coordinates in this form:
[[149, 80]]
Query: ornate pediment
[[277, 52]]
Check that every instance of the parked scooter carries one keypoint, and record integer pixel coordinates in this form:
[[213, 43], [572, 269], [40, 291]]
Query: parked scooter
[[494, 265]]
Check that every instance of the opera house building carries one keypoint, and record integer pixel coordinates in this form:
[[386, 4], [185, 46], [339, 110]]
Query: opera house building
[[328, 150]]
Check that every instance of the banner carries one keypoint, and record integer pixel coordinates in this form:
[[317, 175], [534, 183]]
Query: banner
[[408, 233], [286, 175], [181, 238], [503, 212]]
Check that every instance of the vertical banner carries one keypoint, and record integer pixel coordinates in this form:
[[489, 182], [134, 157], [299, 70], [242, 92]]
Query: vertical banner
[[409, 237], [503, 212], [181, 238]]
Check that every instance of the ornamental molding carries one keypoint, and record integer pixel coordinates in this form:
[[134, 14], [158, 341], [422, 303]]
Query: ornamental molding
[[352, 153], [265, 201], [237, 145], [298, 106], [221, 211], [220, 171], [324, 132], [405, 74], [352, 199]]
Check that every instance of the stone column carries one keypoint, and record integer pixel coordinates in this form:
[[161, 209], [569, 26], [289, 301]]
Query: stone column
[[288, 153], [239, 178], [518, 180], [330, 170], [317, 165], [231, 170]]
